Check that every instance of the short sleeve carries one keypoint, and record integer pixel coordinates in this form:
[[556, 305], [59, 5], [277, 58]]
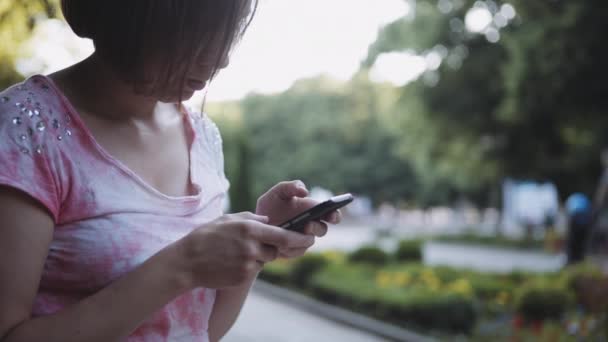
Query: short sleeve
[[25, 147], [214, 140]]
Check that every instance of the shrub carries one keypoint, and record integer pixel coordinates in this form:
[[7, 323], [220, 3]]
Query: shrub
[[589, 284], [304, 268], [433, 311], [540, 302], [409, 250], [352, 286], [370, 255], [277, 272], [488, 287]]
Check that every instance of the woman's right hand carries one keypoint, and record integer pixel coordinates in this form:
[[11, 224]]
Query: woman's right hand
[[232, 249]]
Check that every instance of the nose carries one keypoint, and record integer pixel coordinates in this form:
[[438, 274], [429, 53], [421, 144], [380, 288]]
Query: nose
[[208, 62], [224, 61]]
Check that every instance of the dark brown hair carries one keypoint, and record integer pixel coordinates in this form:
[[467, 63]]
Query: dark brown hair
[[173, 33]]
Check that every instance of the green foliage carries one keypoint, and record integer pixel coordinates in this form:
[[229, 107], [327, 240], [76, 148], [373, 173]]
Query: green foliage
[[508, 109], [318, 122], [409, 250], [492, 241], [369, 255], [537, 301], [490, 287], [17, 19], [421, 308], [589, 284], [444, 300], [241, 192], [277, 272], [303, 269]]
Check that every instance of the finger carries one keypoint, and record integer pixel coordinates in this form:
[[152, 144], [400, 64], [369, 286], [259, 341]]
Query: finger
[[315, 228], [287, 190], [279, 237], [246, 215], [268, 253], [293, 252], [334, 217]]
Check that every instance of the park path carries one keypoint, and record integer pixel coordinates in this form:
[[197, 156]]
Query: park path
[[349, 237], [267, 319]]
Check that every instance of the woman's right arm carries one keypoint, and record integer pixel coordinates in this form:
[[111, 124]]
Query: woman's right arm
[[224, 253], [109, 315]]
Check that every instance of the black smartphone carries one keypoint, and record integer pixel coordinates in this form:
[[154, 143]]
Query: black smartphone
[[317, 212]]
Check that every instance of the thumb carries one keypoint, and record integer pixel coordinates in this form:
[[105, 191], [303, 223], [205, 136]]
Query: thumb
[[287, 190]]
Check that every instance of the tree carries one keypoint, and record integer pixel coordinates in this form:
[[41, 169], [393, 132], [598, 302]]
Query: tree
[[240, 193], [555, 104], [528, 106], [330, 134], [17, 20]]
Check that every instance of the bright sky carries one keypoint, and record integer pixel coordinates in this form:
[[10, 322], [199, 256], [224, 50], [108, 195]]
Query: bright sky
[[288, 40]]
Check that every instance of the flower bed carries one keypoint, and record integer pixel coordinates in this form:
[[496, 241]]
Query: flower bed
[[443, 301]]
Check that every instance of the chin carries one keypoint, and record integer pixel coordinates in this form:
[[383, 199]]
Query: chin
[[174, 98]]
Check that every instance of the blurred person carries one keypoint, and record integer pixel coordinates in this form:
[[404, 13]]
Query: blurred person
[[111, 191], [578, 208]]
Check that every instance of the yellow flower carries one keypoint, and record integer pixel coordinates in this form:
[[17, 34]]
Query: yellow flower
[[402, 279], [430, 280], [383, 279], [461, 286], [333, 256], [502, 298]]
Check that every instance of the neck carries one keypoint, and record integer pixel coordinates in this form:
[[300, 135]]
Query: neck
[[98, 91]]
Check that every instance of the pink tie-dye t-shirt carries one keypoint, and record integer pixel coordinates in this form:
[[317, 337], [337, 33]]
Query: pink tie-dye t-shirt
[[107, 219]]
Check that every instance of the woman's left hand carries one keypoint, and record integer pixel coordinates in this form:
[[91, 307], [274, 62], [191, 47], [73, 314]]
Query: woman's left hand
[[284, 201]]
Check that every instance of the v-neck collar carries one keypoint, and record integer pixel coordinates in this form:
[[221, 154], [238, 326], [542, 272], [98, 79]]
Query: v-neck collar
[[190, 131]]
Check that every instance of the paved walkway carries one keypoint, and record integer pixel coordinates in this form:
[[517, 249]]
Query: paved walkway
[[264, 319], [349, 237], [490, 259]]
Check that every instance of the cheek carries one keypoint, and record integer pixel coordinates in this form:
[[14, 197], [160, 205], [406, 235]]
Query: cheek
[[174, 95]]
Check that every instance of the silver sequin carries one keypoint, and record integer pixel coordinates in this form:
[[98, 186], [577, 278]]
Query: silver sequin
[[41, 126], [25, 150], [16, 120], [56, 124], [68, 132], [22, 137], [30, 131], [45, 87], [5, 99], [39, 149], [59, 137]]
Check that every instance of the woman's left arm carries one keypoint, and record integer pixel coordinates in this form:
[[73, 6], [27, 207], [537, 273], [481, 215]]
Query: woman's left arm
[[228, 304], [282, 201]]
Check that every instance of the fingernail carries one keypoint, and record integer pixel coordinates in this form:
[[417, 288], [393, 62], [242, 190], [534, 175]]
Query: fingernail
[[300, 184]]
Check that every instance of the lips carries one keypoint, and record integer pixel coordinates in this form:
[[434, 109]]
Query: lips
[[196, 84]]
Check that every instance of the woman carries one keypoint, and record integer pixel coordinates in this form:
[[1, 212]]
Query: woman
[[111, 192]]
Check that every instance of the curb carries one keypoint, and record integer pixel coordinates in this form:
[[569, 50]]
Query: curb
[[355, 320]]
